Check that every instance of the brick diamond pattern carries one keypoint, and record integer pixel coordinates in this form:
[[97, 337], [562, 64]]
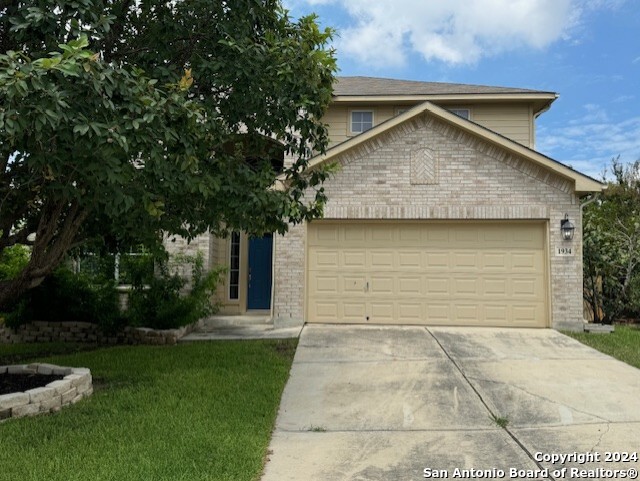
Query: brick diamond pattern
[[424, 167]]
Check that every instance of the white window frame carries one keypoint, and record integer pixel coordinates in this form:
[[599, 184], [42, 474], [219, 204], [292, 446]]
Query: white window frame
[[358, 111], [403, 109]]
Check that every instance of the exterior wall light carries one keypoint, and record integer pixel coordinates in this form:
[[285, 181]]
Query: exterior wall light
[[567, 228]]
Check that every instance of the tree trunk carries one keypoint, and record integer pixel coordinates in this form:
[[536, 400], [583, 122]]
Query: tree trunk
[[56, 233], [12, 289]]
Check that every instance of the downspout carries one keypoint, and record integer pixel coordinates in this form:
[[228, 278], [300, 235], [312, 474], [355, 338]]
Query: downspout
[[535, 117], [587, 202]]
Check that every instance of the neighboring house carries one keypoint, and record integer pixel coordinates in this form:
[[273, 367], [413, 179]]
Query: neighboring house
[[442, 213]]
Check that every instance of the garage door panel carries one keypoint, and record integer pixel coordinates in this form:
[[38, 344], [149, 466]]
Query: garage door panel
[[477, 273], [353, 233], [410, 312], [438, 313], [325, 284], [410, 234], [324, 310], [467, 313], [494, 237], [353, 285], [354, 258], [383, 233], [494, 261], [496, 314], [324, 259], [382, 285], [527, 287], [410, 260], [437, 286], [330, 235], [524, 313], [531, 237], [437, 260], [354, 311], [438, 235], [525, 261], [464, 287], [465, 260], [465, 235], [495, 287], [411, 286], [382, 312], [382, 260]]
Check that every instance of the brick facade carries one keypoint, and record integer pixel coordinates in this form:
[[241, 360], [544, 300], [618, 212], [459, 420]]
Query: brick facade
[[180, 245], [459, 176]]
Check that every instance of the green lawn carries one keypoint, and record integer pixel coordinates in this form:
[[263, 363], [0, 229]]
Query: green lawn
[[623, 343], [201, 411], [19, 353]]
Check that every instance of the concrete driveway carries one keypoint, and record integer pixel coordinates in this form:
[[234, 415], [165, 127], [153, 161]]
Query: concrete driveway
[[387, 403]]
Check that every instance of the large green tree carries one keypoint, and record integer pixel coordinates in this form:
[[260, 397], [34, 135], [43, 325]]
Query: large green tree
[[121, 119], [612, 246]]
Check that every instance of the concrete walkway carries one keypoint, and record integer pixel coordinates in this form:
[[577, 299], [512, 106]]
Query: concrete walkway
[[239, 327], [386, 403]]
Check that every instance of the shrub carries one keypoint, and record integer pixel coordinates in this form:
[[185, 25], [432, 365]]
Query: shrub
[[612, 247], [165, 301], [160, 300], [65, 296], [12, 260]]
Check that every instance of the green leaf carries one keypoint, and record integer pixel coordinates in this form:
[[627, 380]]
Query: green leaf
[[81, 129]]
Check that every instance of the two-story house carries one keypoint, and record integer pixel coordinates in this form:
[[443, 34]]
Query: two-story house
[[441, 213]]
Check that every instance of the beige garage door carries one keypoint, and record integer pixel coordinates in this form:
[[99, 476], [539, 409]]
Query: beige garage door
[[473, 273]]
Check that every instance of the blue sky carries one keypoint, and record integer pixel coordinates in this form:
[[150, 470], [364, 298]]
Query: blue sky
[[588, 51]]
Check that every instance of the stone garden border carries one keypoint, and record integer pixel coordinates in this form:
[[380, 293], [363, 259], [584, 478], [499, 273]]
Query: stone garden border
[[76, 385], [81, 332]]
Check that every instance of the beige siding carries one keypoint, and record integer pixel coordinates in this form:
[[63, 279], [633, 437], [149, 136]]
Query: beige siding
[[336, 119], [514, 121], [338, 116]]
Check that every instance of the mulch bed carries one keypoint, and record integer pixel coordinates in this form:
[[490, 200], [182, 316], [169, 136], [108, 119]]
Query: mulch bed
[[23, 382]]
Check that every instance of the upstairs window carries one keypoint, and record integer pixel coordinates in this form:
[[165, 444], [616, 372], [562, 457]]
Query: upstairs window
[[464, 113], [361, 120]]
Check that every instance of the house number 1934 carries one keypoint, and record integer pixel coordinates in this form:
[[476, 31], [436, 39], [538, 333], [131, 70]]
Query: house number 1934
[[564, 251]]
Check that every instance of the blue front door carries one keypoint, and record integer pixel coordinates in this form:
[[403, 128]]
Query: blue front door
[[259, 292]]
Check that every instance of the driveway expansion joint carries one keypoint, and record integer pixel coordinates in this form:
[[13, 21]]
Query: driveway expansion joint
[[539, 397], [491, 413]]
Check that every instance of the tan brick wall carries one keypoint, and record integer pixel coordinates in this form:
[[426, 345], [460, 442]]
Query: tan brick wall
[[476, 180], [176, 245], [288, 279]]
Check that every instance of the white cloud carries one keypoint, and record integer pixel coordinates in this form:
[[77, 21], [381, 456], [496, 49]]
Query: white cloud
[[384, 32], [623, 98], [589, 143]]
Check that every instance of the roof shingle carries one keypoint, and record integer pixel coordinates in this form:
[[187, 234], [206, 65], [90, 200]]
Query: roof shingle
[[373, 86]]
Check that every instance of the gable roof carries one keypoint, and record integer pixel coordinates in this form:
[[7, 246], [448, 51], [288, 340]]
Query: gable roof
[[583, 183], [380, 90]]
